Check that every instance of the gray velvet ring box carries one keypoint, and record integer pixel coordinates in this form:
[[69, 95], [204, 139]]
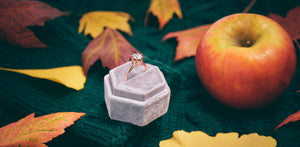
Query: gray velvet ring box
[[141, 99]]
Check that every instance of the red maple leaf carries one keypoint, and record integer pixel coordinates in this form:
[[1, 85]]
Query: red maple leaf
[[16, 15], [110, 47], [291, 23], [291, 118], [31, 131]]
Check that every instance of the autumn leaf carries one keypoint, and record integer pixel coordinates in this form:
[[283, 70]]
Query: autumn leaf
[[16, 15], [201, 139], [188, 41], [291, 118], [164, 10], [93, 23], [31, 131], [291, 23], [70, 76], [110, 47]]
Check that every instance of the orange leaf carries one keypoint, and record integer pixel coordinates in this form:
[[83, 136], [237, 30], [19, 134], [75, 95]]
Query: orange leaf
[[291, 23], [291, 118], [31, 131], [188, 41], [94, 22], [110, 47], [164, 10]]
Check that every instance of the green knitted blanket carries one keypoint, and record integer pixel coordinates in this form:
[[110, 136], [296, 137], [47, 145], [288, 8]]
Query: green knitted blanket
[[191, 107]]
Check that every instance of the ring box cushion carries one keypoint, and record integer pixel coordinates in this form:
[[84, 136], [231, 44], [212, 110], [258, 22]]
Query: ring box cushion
[[141, 99]]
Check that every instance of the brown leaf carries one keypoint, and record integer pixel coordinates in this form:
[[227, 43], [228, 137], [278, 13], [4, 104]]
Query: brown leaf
[[291, 118], [110, 47], [164, 10], [93, 23], [291, 23], [16, 15], [31, 131], [188, 41], [21, 36]]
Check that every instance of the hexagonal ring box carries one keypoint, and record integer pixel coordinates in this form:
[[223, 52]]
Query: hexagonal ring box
[[141, 99]]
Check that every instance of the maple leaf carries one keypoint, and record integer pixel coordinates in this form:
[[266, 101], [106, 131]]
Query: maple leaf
[[164, 10], [110, 47], [31, 131], [16, 15], [94, 22], [291, 23], [188, 41], [291, 118], [199, 138], [70, 76]]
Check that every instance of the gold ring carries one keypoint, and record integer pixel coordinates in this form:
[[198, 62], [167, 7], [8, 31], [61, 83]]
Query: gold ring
[[136, 59]]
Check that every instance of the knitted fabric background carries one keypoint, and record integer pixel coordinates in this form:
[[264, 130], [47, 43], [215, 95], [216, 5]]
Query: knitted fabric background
[[191, 107]]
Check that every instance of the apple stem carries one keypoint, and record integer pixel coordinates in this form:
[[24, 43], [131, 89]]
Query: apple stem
[[248, 43], [249, 6]]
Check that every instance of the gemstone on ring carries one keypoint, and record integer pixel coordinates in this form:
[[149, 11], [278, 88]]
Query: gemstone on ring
[[137, 56], [136, 59]]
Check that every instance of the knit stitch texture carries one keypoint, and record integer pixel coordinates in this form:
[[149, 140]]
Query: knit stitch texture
[[191, 107]]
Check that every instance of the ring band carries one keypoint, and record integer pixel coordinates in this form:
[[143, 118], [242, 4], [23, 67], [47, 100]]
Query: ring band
[[136, 59]]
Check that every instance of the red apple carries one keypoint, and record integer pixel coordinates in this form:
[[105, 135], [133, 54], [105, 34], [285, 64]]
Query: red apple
[[246, 60]]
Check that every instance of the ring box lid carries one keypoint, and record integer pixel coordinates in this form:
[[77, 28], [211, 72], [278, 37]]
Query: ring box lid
[[140, 84]]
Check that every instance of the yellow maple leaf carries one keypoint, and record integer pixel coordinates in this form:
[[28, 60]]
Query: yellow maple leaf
[[70, 76], [201, 139], [93, 23], [164, 10]]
